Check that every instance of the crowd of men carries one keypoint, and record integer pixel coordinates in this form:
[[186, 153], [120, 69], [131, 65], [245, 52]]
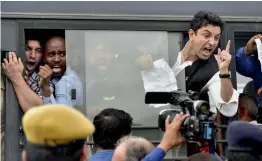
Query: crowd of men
[[56, 131]]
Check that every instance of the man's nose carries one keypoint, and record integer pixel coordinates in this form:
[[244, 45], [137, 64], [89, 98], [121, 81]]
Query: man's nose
[[57, 58], [212, 41], [32, 54]]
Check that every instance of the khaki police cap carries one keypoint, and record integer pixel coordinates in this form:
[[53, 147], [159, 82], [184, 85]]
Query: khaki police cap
[[55, 124]]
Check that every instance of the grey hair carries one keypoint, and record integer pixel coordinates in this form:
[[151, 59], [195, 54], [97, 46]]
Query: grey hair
[[250, 104], [137, 147]]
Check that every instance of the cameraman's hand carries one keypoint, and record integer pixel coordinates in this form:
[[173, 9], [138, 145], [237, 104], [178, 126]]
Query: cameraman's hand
[[172, 136]]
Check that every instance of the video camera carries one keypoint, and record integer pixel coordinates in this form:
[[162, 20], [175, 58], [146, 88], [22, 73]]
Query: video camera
[[199, 126]]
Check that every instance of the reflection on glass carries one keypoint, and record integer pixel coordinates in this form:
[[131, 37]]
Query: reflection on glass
[[112, 64]]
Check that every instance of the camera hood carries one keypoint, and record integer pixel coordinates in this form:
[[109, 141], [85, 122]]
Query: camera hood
[[163, 115]]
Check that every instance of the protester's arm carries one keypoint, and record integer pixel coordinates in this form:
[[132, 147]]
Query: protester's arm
[[214, 88], [251, 66], [227, 90], [26, 97], [246, 65], [60, 94], [246, 62], [224, 59]]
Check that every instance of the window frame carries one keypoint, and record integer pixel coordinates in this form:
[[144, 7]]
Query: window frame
[[12, 112], [119, 25], [132, 25]]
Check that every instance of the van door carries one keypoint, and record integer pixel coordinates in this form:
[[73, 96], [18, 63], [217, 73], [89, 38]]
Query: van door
[[10, 112]]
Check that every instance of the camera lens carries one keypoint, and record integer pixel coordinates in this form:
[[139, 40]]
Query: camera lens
[[202, 107]]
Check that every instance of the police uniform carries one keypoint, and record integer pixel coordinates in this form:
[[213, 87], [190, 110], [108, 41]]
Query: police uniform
[[55, 128], [244, 137]]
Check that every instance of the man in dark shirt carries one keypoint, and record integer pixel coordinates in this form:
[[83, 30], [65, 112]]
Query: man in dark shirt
[[111, 124], [248, 64], [244, 142]]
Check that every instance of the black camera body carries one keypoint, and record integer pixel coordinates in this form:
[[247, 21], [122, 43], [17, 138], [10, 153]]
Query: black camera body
[[199, 126]]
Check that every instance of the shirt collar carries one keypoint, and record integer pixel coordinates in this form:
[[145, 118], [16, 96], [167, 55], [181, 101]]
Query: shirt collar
[[254, 122], [179, 59], [103, 153], [68, 70], [179, 66]]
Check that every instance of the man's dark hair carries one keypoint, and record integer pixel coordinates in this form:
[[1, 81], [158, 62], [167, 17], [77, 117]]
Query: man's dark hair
[[250, 104], [204, 18], [111, 124], [202, 157], [243, 156], [70, 152], [32, 37], [250, 89]]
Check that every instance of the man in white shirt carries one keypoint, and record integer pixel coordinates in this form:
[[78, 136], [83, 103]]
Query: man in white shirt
[[205, 72]]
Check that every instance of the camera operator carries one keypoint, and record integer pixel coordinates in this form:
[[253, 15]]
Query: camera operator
[[171, 138]]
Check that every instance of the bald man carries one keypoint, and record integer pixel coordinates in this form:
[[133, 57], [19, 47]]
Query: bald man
[[68, 87], [132, 148]]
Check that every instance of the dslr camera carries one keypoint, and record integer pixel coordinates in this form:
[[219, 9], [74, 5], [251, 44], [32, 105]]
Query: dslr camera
[[199, 125]]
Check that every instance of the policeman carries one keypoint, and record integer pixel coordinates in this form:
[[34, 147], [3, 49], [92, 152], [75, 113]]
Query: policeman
[[244, 142], [56, 133]]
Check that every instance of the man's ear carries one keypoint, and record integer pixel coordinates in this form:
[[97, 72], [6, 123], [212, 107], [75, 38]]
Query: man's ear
[[191, 34], [24, 156], [84, 153]]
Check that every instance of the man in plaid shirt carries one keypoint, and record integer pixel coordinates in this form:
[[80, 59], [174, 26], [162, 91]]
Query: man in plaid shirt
[[27, 89]]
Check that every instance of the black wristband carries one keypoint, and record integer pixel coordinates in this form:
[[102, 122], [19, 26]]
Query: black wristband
[[224, 75]]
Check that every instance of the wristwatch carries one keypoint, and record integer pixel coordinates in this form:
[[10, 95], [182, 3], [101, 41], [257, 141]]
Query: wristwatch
[[224, 76]]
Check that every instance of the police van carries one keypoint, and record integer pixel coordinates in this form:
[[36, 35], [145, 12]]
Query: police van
[[129, 31]]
